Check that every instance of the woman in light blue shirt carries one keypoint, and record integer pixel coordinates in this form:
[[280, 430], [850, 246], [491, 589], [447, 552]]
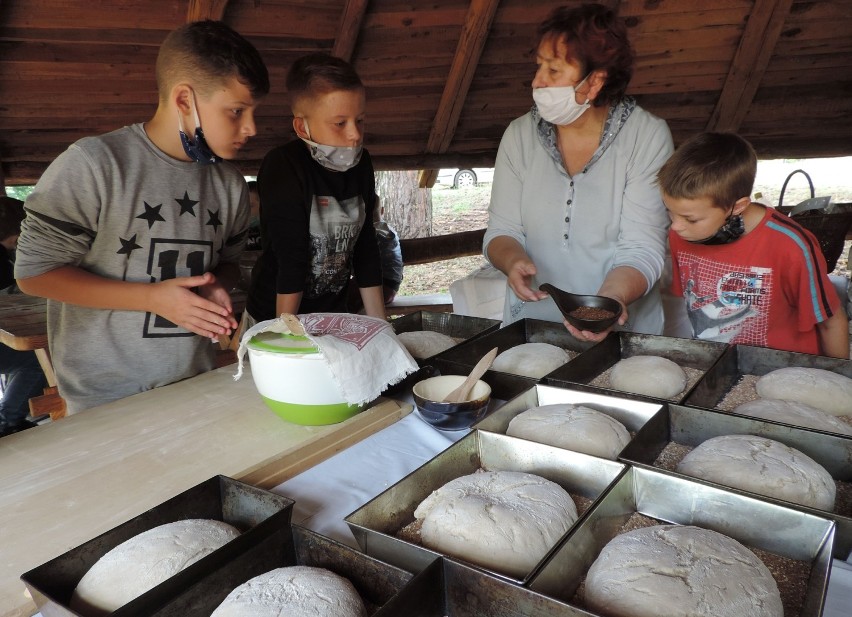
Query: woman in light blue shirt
[[574, 201]]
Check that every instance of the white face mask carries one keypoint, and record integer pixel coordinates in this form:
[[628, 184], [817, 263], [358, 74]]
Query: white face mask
[[559, 104], [336, 158]]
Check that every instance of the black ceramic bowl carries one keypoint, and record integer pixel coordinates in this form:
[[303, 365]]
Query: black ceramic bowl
[[430, 393], [592, 313]]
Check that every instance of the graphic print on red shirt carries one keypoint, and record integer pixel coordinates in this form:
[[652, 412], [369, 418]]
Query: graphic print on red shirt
[[727, 301], [767, 289]]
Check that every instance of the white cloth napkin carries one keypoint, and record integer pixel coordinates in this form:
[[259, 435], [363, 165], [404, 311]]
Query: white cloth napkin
[[363, 353]]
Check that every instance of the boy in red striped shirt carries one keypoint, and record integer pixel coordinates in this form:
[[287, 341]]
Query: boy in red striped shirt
[[748, 274]]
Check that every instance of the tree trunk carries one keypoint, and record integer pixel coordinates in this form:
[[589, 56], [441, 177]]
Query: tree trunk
[[407, 207]]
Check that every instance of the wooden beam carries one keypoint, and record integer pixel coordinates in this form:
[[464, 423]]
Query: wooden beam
[[439, 248], [760, 35], [433, 161], [477, 25], [349, 28], [206, 9]]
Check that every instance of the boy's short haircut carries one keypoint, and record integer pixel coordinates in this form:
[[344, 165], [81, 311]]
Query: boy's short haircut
[[206, 54], [317, 74], [11, 216], [718, 166]]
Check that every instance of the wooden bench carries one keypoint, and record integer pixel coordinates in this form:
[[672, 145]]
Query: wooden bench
[[403, 305], [49, 403], [429, 250]]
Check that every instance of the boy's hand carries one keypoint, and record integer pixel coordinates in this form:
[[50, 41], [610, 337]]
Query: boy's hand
[[207, 313]]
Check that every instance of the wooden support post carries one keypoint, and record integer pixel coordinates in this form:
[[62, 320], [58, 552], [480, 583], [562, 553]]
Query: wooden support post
[[51, 402]]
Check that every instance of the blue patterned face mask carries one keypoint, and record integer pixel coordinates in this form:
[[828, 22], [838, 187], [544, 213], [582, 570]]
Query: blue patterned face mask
[[196, 150]]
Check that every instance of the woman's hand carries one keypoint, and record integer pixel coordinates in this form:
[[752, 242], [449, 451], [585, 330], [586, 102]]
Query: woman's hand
[[597, 337], [520, 274]]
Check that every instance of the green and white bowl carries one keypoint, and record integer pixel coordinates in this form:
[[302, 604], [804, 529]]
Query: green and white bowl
[[292, 377]]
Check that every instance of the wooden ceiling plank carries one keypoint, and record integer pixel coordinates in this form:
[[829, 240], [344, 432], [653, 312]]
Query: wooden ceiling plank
[[474, 35], [350, 27], [206, 9], [757, 44]]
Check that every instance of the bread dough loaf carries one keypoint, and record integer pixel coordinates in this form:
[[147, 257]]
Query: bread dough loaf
[[295, 591], [831, 392], [531, 359], [146, 560], [573, 427], [762, 466], [675, 571], [425, 343], [503, 520], [649, 375], [793, 412]]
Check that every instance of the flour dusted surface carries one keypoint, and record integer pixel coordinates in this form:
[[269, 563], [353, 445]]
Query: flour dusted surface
[[826, 390], [649, 375], [762, 466], [531, 359], [295, 591], [573, 427], [795, 413], [146, 560], [680, 571], [425, 343], [503, 520]]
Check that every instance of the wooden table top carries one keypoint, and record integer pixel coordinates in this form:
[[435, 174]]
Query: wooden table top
[[23, 322], [63, 483]]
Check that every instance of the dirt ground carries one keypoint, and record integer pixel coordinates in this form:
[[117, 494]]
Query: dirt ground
[[455, 210]]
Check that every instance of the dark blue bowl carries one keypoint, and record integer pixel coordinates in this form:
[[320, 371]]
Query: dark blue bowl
[[429, 395]]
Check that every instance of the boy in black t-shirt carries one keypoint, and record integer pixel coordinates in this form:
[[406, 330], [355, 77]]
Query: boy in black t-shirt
[[317, 196]]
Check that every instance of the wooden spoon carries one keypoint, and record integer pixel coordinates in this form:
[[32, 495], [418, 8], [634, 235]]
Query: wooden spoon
[[293, 323], [463, 391]]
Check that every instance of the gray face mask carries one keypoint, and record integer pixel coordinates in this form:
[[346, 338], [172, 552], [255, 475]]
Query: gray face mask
[[336, 158]]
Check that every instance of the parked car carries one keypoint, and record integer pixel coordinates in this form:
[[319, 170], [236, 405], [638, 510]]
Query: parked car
[[465, 177]]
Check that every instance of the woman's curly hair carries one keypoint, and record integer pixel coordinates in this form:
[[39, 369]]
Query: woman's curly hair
[[597, 39]]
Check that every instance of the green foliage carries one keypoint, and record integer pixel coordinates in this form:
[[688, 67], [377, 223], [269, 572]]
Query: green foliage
[[19, 192]]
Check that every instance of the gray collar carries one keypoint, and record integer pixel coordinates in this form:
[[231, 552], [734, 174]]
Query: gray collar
[[617, 116]]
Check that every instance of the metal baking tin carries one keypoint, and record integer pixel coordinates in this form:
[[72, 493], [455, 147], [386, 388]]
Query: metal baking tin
[[457, 326], [523, 331], [447, 588], [454, 325], [692, 426], [753, 522], [633, 414], [375, 582], [375, 524], [739, 360], [257, 513], [582, 370]]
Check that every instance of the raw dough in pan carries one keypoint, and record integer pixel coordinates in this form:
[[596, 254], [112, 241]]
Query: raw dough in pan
[[503, 520], [649, 375], [531, 359], [573, 427], [680, 571]]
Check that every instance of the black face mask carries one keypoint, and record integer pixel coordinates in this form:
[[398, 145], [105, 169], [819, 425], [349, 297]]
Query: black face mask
[[733, 228]]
